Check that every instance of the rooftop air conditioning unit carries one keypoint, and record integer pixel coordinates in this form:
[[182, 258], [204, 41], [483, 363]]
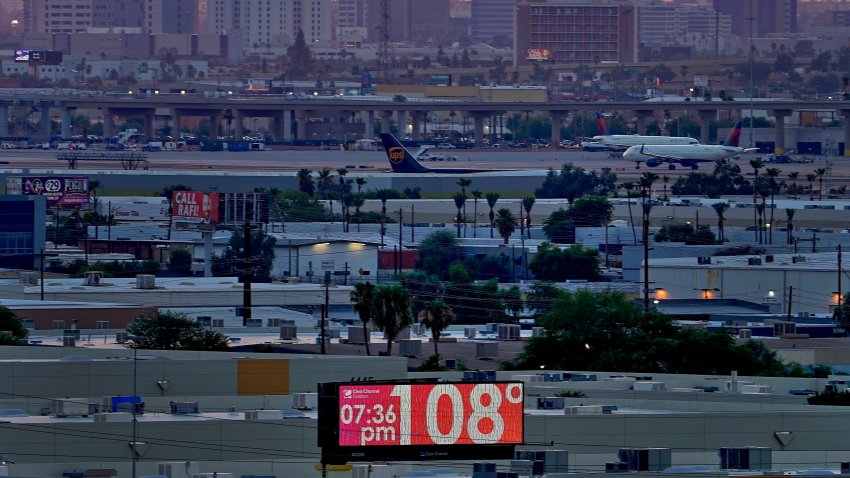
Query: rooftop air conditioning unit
[[145, 281], [28, 278], [288, 332], [537, 331], [754, 261], [356, 334], [69, 341], [797, 259], [305, 401], [184, 408], [486, 350], [746, 458], [745, 333], [272, 322], [704, 260], [470, 332], [178, 469], [409, 348], [121, 337], [93, 278], [218, 323], [69, 407], [508, 332], [255, 415], [768, 258], [550, 403]]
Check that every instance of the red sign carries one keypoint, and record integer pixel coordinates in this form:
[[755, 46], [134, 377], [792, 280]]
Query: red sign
[[539, 54], [431, 414], [203, 206]]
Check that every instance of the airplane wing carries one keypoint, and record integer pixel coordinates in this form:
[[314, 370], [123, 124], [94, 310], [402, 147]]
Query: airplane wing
[[666, 158]]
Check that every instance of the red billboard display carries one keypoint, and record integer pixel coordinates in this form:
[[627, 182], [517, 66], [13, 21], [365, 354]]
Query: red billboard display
[[539, 54], [195, 204], [413, 420]]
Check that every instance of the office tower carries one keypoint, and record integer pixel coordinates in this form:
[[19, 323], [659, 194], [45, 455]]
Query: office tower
[[492, 18], [765, 16]]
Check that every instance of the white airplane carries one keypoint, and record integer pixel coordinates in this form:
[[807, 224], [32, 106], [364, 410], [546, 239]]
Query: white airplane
[[623, 142], [687, 155]]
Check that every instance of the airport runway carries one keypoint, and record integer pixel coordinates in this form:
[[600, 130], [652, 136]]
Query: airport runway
[[283, 164]]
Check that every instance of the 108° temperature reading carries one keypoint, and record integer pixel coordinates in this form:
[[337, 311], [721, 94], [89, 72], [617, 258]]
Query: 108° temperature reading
[[431, 414]]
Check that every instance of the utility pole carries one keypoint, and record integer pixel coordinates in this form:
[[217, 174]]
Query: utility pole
[[41, 270], [325, 311], [247, 272], [790, 295], [839, 277], [345, 272], [646, 207], [751, 19], [412, 224]]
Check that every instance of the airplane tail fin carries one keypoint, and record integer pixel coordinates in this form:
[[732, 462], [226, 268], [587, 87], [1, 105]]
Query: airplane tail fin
[[601, 125], [400, 158], [734, 138]]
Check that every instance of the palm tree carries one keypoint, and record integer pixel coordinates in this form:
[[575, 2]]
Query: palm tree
[[362, 298], [360, 183], [527, 204], [343, 190], [811, 179], [764, 193], [756, 164], [772, 174], [391, 311], [460, 202], [665, 179], [506, 223], [476, 194], [820, 172], [324, 181], [304, 179], [646, 181], [720, 208], [793, 175], [436, 316], [629, 186], [464, 183], [357, 201], [383, 195], [491, 201]]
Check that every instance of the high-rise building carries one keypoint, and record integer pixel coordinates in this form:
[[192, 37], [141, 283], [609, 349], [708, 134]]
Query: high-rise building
[[273, 22], [759, 18], [575, 31], [77, 16], [700, 26], [492, 18], [410, 20], [170, 16]]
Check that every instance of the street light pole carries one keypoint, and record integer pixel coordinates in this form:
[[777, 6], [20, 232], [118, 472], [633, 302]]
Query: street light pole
[[135, 421]]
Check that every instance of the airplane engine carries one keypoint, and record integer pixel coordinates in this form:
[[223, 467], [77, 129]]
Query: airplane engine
[[653, 162]]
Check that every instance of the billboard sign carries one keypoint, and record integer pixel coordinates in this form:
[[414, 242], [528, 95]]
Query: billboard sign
[[258, 85], [701, 81], [59, 190], [196, 205], [539, 54], [46, 57], [420, 421]]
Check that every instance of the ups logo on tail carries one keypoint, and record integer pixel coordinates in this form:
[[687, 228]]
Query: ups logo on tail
[[396, 154]]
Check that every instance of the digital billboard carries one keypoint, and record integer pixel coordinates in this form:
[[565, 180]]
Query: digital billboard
[[59, 190], [371, 421], [539, 54], [46, 57], [195, 204]]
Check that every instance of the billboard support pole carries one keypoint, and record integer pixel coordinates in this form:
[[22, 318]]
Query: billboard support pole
[[208, 250], [247, 273]]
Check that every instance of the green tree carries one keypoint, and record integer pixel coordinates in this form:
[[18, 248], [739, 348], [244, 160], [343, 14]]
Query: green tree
[[391, 311], [180, 261], [460, 204], [505, 223], [363, 297], [304, 179], [527, 204], [174, 331], [12, 330], [299, 56], [437, 251], [436, 317], [491, 202], [553, 263], [559, 228], [234, 260], [685, 232], [720, 208], [591, 211], [476, 195]]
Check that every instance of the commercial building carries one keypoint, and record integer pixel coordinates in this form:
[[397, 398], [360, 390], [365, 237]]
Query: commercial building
[[492, 18], [699, 26], [23, 234], [575, 31], [759, 18], [262, 24]]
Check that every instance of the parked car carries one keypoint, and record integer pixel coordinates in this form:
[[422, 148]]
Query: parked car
[[7, 145], [445, 146]]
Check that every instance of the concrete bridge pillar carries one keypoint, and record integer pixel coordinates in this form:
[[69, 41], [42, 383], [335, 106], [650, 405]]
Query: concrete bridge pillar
[[401, 121], [150, 133], [478, 121], [44, 127], [640, 120], [416, 125], [779, 130], [282, 126], [556, 117], [4, 120], [300, 126], [386, 121], [175, 124], [239, 127], [368, 124], [215, 124], [65, 123], [846, 115], [705, 117], [108, 123]]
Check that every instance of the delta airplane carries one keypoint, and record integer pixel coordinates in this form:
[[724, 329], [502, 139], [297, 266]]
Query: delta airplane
[[402, 161], [687, 155], [621, 142]]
